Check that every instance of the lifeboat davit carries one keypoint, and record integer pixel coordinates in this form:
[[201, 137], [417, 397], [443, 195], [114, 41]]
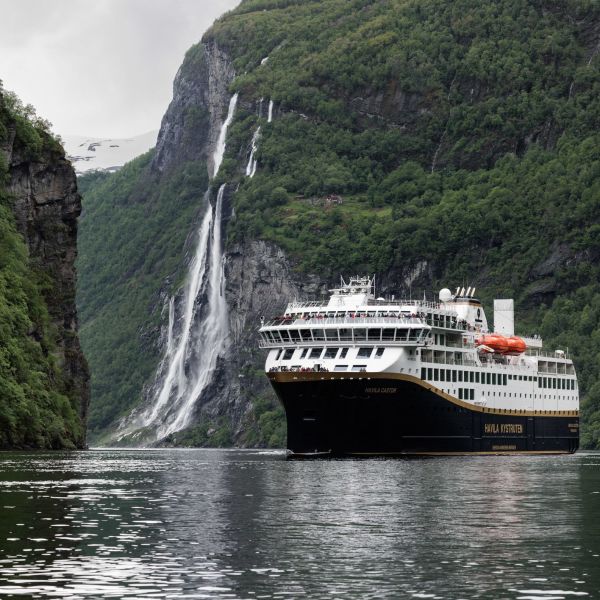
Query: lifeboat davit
[[510, 346]]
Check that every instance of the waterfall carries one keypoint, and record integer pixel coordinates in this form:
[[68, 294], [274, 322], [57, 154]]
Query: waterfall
[[171, 325], [251, 166], [191, 356], [220, 148], [212, 332], [270, 117]]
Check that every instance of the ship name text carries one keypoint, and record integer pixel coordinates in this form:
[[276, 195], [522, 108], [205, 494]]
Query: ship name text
[[499, 428]]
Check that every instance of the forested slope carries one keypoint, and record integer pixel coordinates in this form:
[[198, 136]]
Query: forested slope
[[461, 136], [43, 393]]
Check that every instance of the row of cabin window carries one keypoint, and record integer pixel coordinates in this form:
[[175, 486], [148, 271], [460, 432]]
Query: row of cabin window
[[317, 353], [466, 394], [556, 383], [467, 376], [495, 378], [286, 336]]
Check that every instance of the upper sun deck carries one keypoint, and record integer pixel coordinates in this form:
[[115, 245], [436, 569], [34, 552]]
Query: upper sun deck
[[354, 306]]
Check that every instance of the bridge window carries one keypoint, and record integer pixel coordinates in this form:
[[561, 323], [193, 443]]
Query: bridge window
[[343, 352], [315, 352], [364, 352], [379, 352], [305, 335], [330, 352], [304, 352], [295, 335], [287, 355]]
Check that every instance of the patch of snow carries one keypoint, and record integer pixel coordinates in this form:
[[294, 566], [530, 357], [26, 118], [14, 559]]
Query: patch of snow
[[105, 154]]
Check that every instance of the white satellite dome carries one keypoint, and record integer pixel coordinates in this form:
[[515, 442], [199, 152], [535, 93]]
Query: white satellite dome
[[445, 295]]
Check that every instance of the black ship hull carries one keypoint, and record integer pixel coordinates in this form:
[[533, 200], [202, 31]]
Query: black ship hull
[[379, 414]]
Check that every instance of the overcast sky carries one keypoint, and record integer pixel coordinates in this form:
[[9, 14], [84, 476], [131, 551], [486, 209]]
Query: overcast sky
[[99, 67]]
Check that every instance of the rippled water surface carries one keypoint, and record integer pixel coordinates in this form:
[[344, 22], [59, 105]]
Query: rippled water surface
[[249, 524]]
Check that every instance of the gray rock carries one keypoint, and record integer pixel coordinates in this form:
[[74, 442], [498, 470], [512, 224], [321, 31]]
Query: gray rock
[[47, 206]]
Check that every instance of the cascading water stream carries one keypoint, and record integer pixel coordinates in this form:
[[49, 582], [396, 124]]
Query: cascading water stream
[[220, 148], [191, 357], [212, 330], [252, 164], [270, 116]]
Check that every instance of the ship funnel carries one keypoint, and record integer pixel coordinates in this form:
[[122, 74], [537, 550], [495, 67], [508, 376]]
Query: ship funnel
[[504, 317]]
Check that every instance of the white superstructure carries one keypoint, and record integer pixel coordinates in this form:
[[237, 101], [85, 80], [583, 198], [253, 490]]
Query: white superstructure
[[443, 343]]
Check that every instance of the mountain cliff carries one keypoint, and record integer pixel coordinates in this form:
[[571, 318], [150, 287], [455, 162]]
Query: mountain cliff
[[434, 143], [44, 381]]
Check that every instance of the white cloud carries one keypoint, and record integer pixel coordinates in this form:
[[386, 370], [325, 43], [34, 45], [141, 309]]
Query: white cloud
[[100, 68]]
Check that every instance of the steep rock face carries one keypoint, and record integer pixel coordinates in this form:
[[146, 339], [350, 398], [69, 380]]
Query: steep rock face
[[190, 127], [46, 206], [260, 283]]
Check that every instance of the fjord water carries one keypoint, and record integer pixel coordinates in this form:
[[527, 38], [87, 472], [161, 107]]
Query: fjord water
[[249, 524]]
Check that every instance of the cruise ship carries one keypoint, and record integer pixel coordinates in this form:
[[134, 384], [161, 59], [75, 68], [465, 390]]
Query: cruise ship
[[360, 375]]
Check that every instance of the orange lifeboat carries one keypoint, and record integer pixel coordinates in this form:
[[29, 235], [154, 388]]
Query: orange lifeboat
[[516, 345], [501, 344], [498, 343]]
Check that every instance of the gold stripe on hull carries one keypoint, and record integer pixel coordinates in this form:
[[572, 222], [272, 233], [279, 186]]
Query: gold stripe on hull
[[467, 453], [299, 376]]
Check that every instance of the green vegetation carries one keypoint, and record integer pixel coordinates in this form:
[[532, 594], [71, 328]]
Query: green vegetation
[[215, 434], [35, 409], [131, 239], [462, 137]]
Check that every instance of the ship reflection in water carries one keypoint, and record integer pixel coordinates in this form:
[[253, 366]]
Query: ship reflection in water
[[249, 524]]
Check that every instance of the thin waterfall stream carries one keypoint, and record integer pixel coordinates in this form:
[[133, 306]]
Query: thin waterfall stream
[[202, 323], [252, 164]]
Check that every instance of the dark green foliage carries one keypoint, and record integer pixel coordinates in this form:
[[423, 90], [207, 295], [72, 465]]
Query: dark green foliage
[[266, 426], [462, 135], [35, 410], [209, 434], [131, 239]]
